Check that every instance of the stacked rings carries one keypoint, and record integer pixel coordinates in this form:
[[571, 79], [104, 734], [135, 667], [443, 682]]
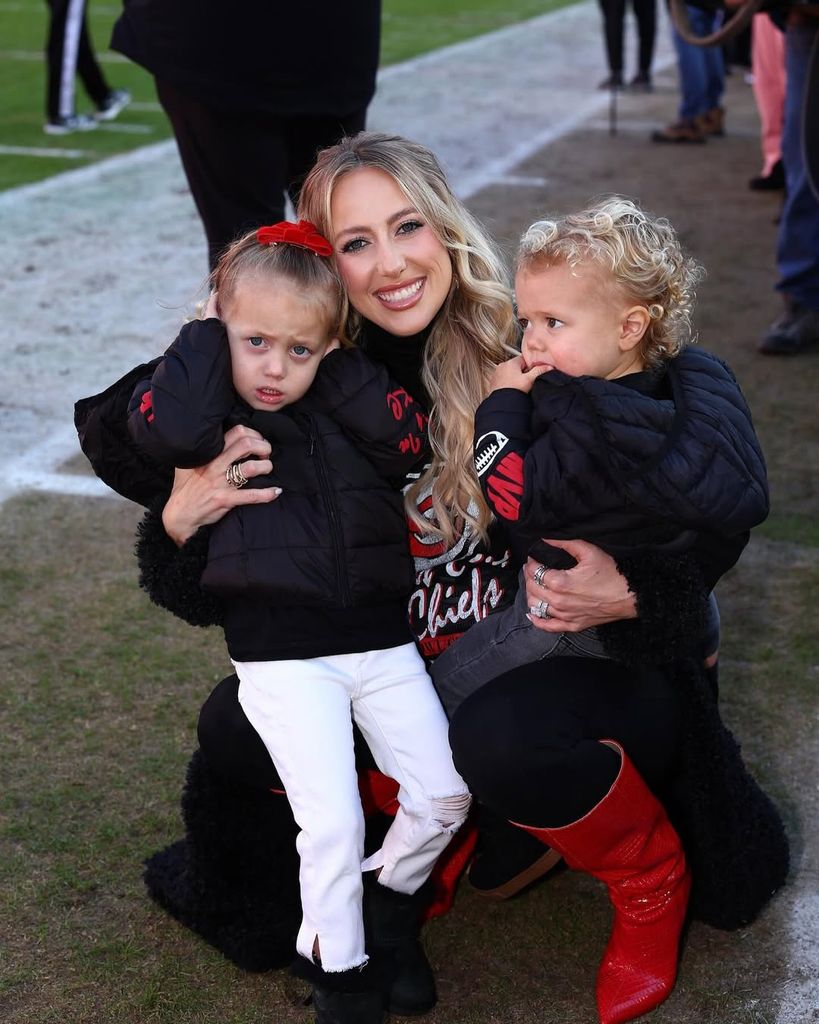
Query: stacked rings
[[540, 572], [540, 610], [234, 475]]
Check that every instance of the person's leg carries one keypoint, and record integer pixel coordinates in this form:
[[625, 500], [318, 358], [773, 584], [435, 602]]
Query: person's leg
[[768, 63], [405, 727], [645, 12], [797, 253], [714, 69], [693, 85], [398, 712], [62, 46], [307, 134], [527, 744], [558, 743], [502, 641], [613, 20], [88, 67], [236, 165], [301, 709]]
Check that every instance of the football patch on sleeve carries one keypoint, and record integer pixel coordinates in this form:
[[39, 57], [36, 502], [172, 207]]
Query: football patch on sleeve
[[487, 448]]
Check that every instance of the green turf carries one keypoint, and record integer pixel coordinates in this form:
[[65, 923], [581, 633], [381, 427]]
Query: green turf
[[410, 27]]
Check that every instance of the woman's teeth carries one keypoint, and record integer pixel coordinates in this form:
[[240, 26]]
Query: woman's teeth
[[401, 294]]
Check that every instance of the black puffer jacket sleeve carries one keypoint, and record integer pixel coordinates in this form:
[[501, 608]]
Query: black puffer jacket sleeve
[[178, 420], [101, 422], [604, 459], [171, 575], [386, 422]]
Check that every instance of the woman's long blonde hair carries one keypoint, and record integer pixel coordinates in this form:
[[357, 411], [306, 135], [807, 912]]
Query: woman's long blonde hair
[[474, 330]]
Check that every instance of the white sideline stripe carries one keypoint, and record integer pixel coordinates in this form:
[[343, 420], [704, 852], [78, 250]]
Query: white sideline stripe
[[519, 181], [59, 483], [108, 57], [86, 175], [71, 154]]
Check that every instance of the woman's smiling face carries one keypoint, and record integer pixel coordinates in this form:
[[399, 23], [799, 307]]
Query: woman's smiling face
[[396, 270]]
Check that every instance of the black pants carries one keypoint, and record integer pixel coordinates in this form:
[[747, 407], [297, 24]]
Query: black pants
[[614, 13], [69, 53], [528, 743], [240, 165]]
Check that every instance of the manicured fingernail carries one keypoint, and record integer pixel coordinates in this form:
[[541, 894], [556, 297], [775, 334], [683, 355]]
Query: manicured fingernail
[[276, 491]]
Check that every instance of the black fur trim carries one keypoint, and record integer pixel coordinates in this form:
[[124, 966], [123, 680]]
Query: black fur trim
[[171, 575], [732, 833], [233, 879], [671, 610]]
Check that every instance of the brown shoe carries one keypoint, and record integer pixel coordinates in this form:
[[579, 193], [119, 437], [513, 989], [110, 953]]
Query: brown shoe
[[680, 131], [712, 121]]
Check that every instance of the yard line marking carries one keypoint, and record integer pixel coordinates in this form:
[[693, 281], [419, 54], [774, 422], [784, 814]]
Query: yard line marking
[[12, 8], [70, 154], [125, 129], [104, 58]]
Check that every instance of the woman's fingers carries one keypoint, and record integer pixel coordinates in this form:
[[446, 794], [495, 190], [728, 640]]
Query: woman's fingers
[[589, 594]]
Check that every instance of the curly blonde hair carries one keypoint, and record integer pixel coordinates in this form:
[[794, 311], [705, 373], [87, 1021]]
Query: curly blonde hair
[[315, 276], [643, 255], [474, 330]]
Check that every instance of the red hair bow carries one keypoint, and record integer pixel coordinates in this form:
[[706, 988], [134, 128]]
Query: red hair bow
[[303, 234]]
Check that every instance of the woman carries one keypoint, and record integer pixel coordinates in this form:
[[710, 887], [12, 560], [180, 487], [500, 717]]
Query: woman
[[428, 298]]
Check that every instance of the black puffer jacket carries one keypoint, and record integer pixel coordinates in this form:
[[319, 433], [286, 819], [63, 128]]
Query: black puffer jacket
[[629, 463], [337, 536]]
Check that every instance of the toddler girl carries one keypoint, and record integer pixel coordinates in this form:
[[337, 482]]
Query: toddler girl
[[314, 584]]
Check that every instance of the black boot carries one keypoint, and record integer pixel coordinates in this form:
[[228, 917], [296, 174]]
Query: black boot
[[507, 859], [392, 926], [343, 997]]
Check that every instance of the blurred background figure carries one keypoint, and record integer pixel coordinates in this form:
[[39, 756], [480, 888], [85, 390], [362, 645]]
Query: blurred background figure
[[253, 89], [614, 13], [797, 251], [702, 83], [768, 68], [69, 52]]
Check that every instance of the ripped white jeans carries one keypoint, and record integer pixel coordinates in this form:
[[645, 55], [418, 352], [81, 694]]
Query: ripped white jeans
[[303, 711]]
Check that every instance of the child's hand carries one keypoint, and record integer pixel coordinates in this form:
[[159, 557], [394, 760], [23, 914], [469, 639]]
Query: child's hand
[[514, 374], [211, 307]]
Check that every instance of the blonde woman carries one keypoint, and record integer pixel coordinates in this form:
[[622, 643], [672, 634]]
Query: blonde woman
[[428, 298]]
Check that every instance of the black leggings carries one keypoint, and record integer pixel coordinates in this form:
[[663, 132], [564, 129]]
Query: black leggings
[[240, 164], [528, 743]]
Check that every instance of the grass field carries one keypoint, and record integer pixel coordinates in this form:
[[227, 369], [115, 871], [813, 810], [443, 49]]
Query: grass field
[[410, 27]]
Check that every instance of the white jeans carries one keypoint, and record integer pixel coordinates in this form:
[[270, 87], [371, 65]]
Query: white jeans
[[303, 711]]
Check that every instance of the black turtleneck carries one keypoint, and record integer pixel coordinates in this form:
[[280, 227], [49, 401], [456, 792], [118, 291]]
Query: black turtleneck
[[403, 357]]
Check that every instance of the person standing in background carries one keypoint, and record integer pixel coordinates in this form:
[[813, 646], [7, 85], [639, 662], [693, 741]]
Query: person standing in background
[[768, 66], [69, 53], [253, 90], [797, 250], [614, 13]]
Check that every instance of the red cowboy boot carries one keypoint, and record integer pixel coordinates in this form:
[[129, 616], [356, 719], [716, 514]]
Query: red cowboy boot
[[628, 842]]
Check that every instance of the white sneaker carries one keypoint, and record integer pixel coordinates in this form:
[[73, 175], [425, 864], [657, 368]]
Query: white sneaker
[[114, 103], [70, 123]]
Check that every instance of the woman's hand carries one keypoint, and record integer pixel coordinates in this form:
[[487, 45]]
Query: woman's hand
[[591, 593], [201, 496]]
